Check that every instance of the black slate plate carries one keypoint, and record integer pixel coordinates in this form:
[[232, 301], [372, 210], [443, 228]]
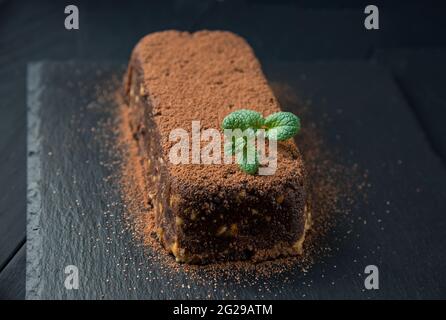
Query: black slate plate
[[74, 215], [420, 74]]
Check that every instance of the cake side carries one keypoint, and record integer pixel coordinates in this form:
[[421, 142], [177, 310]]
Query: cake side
[[211, 212]]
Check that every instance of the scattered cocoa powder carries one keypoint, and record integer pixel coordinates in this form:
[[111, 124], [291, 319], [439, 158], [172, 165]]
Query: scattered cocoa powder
[[203, 82], [331, 187], [331, 195]]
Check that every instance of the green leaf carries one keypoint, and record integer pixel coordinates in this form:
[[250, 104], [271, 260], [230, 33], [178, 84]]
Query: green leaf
[[250, 168], [279, 126], [235, 145], [243, 119], [285, 125], [238, 142], [248, 164], [229, 148]]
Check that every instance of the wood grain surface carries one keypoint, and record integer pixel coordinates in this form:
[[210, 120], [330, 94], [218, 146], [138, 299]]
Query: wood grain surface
[[309, 30], [419, 74]]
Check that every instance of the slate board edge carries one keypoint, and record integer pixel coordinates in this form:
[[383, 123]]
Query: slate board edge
[[34, 284]]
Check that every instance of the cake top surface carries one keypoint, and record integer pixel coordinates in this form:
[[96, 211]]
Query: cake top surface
[[204, 76]]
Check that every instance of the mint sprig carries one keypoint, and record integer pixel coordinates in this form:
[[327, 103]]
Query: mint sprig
[[284, 124], [250, 168], [278, 126], [243, 119]]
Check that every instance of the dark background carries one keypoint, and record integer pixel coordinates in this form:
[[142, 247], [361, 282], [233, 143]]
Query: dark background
[[411, 43]]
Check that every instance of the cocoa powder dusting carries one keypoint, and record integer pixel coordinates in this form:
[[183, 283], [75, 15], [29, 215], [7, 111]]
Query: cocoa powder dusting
[[332, 191], [240, 216], [331, 188], [176, 79]]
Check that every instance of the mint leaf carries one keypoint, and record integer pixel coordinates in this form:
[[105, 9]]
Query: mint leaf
[[239, 144], [229, 148], [243, 119], [232, 147], [248, 167], [285, 125], [247, 156], [242, 125], [238, 139]]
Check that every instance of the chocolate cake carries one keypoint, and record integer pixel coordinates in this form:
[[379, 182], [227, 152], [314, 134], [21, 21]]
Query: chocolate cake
[[211, 212]]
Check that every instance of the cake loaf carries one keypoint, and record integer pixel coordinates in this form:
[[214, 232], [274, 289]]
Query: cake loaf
[[211, 212]]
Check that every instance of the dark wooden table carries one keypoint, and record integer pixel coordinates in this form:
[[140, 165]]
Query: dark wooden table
[[31, 30]]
